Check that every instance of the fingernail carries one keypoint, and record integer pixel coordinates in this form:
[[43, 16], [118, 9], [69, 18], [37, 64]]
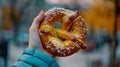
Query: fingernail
[[41, 12]]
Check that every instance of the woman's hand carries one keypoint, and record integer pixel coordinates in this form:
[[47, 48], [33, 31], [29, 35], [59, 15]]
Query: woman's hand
[[34, 39]]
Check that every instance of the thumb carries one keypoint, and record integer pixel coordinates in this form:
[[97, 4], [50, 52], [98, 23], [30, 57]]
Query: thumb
[[36, 21], [39, 17]]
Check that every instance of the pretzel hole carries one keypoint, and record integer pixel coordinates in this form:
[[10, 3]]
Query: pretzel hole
[[57, 25]]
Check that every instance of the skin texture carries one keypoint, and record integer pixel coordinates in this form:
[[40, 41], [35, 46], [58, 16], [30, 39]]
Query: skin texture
[[34, 39]]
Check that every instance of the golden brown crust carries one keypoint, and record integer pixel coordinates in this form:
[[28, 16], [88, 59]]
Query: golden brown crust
[[66, 40]]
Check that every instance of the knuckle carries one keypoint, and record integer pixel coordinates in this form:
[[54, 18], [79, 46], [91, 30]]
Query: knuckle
[[35, 19], [32, 30]]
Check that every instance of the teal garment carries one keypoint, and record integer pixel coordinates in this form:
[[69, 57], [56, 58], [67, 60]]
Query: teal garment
[[34, 58]]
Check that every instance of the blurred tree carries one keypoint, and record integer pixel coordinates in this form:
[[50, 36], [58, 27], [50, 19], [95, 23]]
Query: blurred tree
[[16, 13], [115, 42]]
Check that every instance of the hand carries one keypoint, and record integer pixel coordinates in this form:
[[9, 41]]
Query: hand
[[34, 39]]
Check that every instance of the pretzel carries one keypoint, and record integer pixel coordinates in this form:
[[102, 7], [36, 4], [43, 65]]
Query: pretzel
[[66, 40]]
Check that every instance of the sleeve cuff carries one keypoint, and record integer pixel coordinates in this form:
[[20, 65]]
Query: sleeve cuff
[[42, 56]]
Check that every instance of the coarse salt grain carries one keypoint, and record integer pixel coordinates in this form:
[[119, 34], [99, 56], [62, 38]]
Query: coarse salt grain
[[81, 23], [68, 49], [58, 51], [53, 12], [45, 31], [72, 47], [82, 19], [48, 46], [52, 49]]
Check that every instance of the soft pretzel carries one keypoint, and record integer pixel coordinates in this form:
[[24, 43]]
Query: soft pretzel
[[66, 40]]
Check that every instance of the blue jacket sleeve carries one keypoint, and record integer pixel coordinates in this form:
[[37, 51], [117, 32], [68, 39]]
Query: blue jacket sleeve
[[34, 58]]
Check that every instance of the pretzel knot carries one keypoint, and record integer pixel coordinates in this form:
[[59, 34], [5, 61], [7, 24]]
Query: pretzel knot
[[68, 38]]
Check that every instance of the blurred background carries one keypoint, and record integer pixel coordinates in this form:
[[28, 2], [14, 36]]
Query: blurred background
[[102, 19]]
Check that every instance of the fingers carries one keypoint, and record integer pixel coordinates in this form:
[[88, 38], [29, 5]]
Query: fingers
[[36, 21], [39, 17], [34, 40]]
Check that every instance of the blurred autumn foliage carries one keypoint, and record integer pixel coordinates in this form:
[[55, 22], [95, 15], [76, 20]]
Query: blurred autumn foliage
[[101, 15], [6, 18]]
